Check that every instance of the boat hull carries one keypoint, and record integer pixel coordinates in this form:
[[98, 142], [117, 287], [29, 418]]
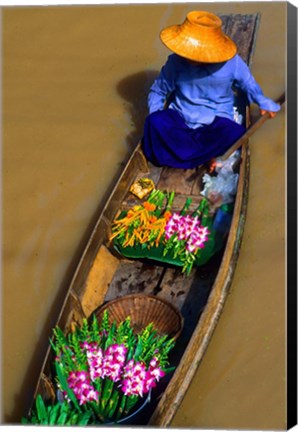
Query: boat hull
[[102, 274]]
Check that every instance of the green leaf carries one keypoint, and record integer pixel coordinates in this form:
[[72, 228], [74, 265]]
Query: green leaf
[[63, 381], [186, 205], [61, 340], [111, 335], [79, 352], [41, 410], [169, 370], [105, 325], [53, 413], [113, 404], [139, 348], [95, 330], [121, 407], [106, 394], [84, 418], [130, 403], [62, 419]]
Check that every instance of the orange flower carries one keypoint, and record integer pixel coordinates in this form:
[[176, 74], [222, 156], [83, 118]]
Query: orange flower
[[149, 206], [152, 219], [167, 215]]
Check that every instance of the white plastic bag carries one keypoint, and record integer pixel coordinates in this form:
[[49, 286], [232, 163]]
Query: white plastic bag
[[222, 188]]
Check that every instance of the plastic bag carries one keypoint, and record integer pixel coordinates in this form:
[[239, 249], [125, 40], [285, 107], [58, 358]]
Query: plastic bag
[[229, 164], [222, 188]]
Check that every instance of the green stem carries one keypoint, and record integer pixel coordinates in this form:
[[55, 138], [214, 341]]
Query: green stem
[[153, 194], [205, 216], [186, 206], [170, 201], [121, 407], [200, 208], [113, 403], [130, 403], [106, 394]]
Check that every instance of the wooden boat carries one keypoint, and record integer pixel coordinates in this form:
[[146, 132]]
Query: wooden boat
[[102, 275]]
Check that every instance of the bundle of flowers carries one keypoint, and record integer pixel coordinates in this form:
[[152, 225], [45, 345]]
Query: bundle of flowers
[[144, 224], [151, 230], [103, 370], [185, 236]]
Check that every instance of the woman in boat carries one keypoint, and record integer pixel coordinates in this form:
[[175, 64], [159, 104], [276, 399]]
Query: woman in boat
[[196, 85]]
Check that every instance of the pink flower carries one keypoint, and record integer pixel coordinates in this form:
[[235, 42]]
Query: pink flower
[[149, 383], [113, 362], [127, 387], [95, 361], [138, 388], [134, 377], [79, 382], [138, 380], [82, 376], [153, 362], [197, 239], [157, 373], [112, 370]]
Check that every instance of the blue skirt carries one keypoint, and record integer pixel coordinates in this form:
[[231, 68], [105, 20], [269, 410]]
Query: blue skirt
[[168, 141]]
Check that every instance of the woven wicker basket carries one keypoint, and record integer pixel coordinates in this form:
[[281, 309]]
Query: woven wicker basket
[[143, 310]]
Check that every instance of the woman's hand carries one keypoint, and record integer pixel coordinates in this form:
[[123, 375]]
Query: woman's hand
[[271, 113]]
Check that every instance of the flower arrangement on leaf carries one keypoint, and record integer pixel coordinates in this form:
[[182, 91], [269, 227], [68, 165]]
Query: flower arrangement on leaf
[[152, 230], [103, 371]]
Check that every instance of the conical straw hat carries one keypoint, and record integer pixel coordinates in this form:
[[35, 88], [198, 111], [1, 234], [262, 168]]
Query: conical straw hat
[[199, 38]]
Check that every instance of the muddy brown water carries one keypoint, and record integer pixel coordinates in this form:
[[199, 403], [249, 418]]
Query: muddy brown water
[[74, 90]]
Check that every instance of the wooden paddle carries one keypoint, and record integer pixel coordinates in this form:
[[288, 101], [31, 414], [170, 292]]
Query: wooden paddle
[[242, 140]]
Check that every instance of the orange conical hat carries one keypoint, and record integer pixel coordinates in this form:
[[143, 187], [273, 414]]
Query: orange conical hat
[[199, 38]]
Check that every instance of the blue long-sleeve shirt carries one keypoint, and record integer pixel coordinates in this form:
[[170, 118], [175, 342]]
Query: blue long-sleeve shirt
[[201, 92]]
